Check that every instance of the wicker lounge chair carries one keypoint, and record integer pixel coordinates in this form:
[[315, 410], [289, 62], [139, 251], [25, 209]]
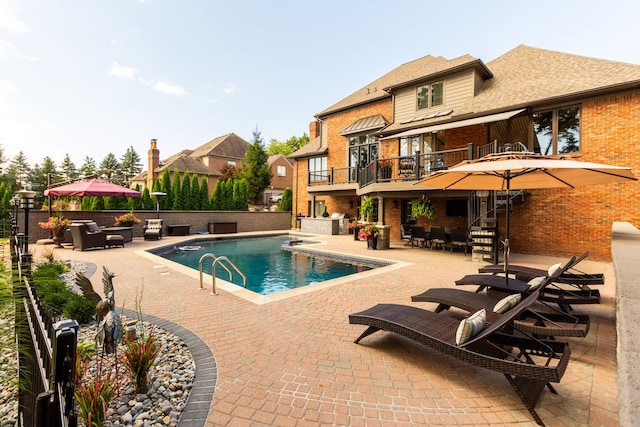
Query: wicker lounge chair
[[511, 354], [559, 291], [525, 273], [540, 320]]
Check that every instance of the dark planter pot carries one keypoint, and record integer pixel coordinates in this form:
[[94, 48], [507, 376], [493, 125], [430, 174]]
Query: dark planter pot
[[372, 242], [356, 233]]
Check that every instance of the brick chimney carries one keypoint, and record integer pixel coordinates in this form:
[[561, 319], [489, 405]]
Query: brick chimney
[[314, 129], [154, 163]]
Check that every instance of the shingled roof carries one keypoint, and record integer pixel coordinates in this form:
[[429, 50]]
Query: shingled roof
[[314, 147], [422, 68], [230, 145], [526, 76]]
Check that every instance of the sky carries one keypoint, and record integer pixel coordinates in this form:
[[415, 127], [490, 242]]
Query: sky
[[93, 77]]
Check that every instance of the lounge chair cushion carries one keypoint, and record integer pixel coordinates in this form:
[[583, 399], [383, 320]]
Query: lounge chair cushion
[[536, 282], [470, 326], [507, 303], [553, 269], [92, 227]]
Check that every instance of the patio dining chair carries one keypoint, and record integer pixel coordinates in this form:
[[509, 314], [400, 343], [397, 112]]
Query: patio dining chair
[[437, 237]]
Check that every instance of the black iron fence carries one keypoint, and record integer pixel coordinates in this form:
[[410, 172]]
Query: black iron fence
[[46, 350]]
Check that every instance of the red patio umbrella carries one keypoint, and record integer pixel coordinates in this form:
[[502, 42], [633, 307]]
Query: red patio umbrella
[[92, 187]]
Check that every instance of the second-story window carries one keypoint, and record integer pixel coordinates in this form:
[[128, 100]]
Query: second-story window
[[557, 131], [282, 171], [318, 169], [430, 95], [363, 149]]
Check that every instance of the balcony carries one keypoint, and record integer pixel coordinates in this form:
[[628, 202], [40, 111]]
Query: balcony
[[388, 170]]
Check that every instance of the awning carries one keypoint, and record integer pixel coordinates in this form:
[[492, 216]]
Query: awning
[[365, 124], [460, 123]]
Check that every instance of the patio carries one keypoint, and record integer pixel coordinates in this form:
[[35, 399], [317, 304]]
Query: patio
[[293, 361]]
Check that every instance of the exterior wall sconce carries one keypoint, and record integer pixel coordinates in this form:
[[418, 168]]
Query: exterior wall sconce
[[394, 203], [350, 204]]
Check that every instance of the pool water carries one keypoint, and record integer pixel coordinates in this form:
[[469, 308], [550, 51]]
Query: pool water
[[267, 267]]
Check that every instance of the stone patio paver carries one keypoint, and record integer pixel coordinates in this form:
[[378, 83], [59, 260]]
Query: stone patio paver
[[292, 362]]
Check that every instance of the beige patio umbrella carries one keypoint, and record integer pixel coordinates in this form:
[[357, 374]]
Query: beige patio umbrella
[[521, 171]]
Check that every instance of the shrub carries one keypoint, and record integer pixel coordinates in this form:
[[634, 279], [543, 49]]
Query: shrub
[[54, 302], [79, 308], [49, 270]]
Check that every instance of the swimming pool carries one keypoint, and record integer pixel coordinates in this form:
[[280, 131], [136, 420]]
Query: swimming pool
[[268, 268]]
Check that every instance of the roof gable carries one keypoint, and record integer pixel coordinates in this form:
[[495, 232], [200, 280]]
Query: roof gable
[[419, 69], [230, 145]]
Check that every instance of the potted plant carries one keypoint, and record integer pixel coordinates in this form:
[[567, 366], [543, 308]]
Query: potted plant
[[369, 232], [366, 208], [385, 167], [352, 227], [423, 207], [57, 225], [126, 220]]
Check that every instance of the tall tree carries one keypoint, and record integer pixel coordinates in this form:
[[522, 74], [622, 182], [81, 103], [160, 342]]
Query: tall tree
[[256, 171], [176, 191], [19, 169], [204, 194], [195, 193], [166, 202], [88, 167], [131, 164], [109, 169], [187, 203], [68, 169], [216, 196], [289, 146]]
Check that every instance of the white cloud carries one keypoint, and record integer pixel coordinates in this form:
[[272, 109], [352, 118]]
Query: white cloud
[[9, 21], [230, 88], [166, 87], [122, 72]]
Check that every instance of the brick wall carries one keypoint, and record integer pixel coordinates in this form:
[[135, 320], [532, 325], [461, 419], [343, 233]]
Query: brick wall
[[565, 222], [337, 157], [247, 221]]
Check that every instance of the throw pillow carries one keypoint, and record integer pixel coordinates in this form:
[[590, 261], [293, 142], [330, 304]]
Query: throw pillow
[[554, 269], [507, 303], [471, 326], [536, 282]]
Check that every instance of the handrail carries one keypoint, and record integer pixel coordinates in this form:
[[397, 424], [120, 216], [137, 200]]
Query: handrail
[[213, 270]]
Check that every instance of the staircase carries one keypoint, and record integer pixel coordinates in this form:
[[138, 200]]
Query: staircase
[[483, 210]]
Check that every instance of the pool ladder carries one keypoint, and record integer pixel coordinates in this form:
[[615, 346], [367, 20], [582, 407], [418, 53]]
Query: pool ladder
[[216, 261]]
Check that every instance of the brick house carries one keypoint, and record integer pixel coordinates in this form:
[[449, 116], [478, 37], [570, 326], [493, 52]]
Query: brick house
[[434, 112], [282, 171], [207, 160]]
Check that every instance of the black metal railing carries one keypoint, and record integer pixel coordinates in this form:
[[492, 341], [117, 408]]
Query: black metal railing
[[46, 350], [392, 169]]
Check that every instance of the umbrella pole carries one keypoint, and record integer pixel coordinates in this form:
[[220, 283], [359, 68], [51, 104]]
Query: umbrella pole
[[507, 250]]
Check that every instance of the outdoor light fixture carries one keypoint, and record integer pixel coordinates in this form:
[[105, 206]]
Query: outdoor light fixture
[[27, 198], [157, 195], [394, 203]]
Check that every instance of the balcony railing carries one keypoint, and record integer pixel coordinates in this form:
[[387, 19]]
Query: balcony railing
[[393, 169]]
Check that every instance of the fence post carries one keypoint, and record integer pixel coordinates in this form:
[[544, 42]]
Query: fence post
[[64, 365]]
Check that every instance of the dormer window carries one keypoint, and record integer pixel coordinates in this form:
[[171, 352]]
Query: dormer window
[[430, 95]]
